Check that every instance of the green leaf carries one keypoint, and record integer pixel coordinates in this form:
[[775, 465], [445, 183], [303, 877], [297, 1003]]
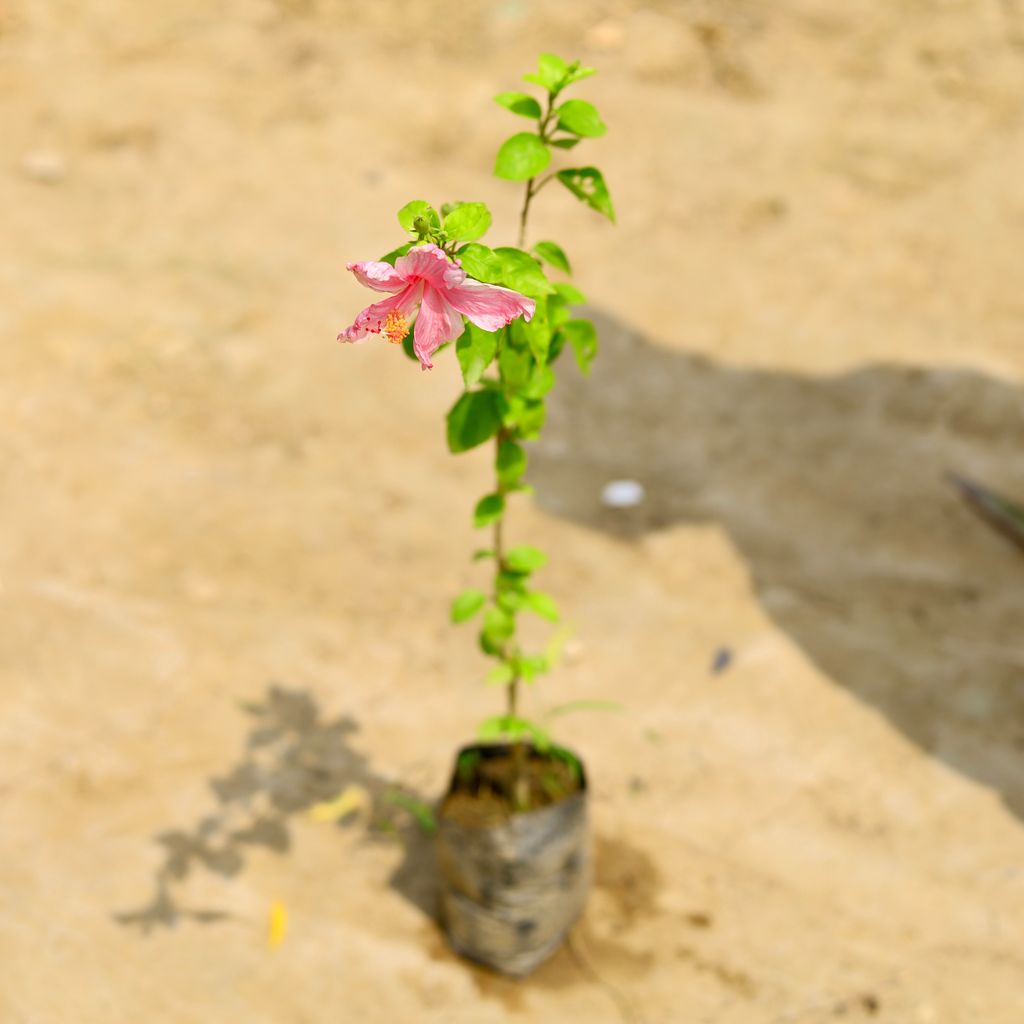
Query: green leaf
[[554, 254], [417, 208], [522, 156], [571, 761], [564, 143], [510, 600], [583, 338], [481, 553], [473, 419], [467, 604], [522, 273], [577, 73], [587, 184], [506, 582], [524, 559], [467, 222], [498, 626], [480, 262], [421, 811], [395, 253], [500, 675], [535, 335], [530, 666], [519, 103], [524, 415], [488, 646], [514, 408], [581, 118], [488, 509], [531, 419], [516, 366], [542, 381], [551, 72], [492, 728], [583, 705], [510, 463], [543, 604], [558, 313], [570, 293], [475, 349], [513, 726]]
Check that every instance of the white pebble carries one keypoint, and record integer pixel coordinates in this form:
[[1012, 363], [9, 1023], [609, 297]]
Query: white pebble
[[622, 493]]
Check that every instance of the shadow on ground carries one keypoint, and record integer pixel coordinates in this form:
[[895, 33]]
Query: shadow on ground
[[293, 759], [834, 490]]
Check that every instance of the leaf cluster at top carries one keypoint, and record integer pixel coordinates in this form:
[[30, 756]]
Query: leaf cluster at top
[[526, 155]]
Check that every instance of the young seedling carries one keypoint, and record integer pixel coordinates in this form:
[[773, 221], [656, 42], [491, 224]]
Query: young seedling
[[510, 323]]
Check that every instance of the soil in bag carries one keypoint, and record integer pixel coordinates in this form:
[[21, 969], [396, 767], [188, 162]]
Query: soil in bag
[[513, 881]]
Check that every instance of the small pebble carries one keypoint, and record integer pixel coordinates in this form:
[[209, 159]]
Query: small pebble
[[721, 661], [622, 494], [870, 1002], [45, 166]]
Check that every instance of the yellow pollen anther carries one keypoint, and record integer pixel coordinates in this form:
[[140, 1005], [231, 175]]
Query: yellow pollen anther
[[395, 327]]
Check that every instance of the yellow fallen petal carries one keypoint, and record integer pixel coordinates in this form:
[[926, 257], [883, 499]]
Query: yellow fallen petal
[[277, 925], [353, 798]]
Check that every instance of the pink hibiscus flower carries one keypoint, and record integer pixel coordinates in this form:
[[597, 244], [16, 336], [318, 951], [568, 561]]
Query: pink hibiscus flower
[[425, 278]]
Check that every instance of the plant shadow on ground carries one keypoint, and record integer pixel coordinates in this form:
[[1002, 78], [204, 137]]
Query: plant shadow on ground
[[835, 492], [294, 758]]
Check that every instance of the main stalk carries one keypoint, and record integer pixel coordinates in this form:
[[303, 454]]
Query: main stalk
[[520, 784]]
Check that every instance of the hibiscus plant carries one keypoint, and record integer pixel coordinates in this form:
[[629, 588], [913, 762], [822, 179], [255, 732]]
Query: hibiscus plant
[[517, 324]]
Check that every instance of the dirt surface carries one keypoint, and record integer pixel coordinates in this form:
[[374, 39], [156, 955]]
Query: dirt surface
[[230, 543]]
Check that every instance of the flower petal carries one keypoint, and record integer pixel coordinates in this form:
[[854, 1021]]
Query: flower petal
[[381, 277], [489, 306], [436, 324], [430, 263], [372, 318]]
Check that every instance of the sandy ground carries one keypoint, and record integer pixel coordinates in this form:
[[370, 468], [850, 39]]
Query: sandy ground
[[229, 543]]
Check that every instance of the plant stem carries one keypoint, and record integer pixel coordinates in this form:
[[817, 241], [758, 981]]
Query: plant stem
[[525, 212], [532, 190], [520, 788], [520, 784]]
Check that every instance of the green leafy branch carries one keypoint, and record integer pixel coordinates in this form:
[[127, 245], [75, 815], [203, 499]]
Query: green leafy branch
[[525, 155], [509, 372]]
